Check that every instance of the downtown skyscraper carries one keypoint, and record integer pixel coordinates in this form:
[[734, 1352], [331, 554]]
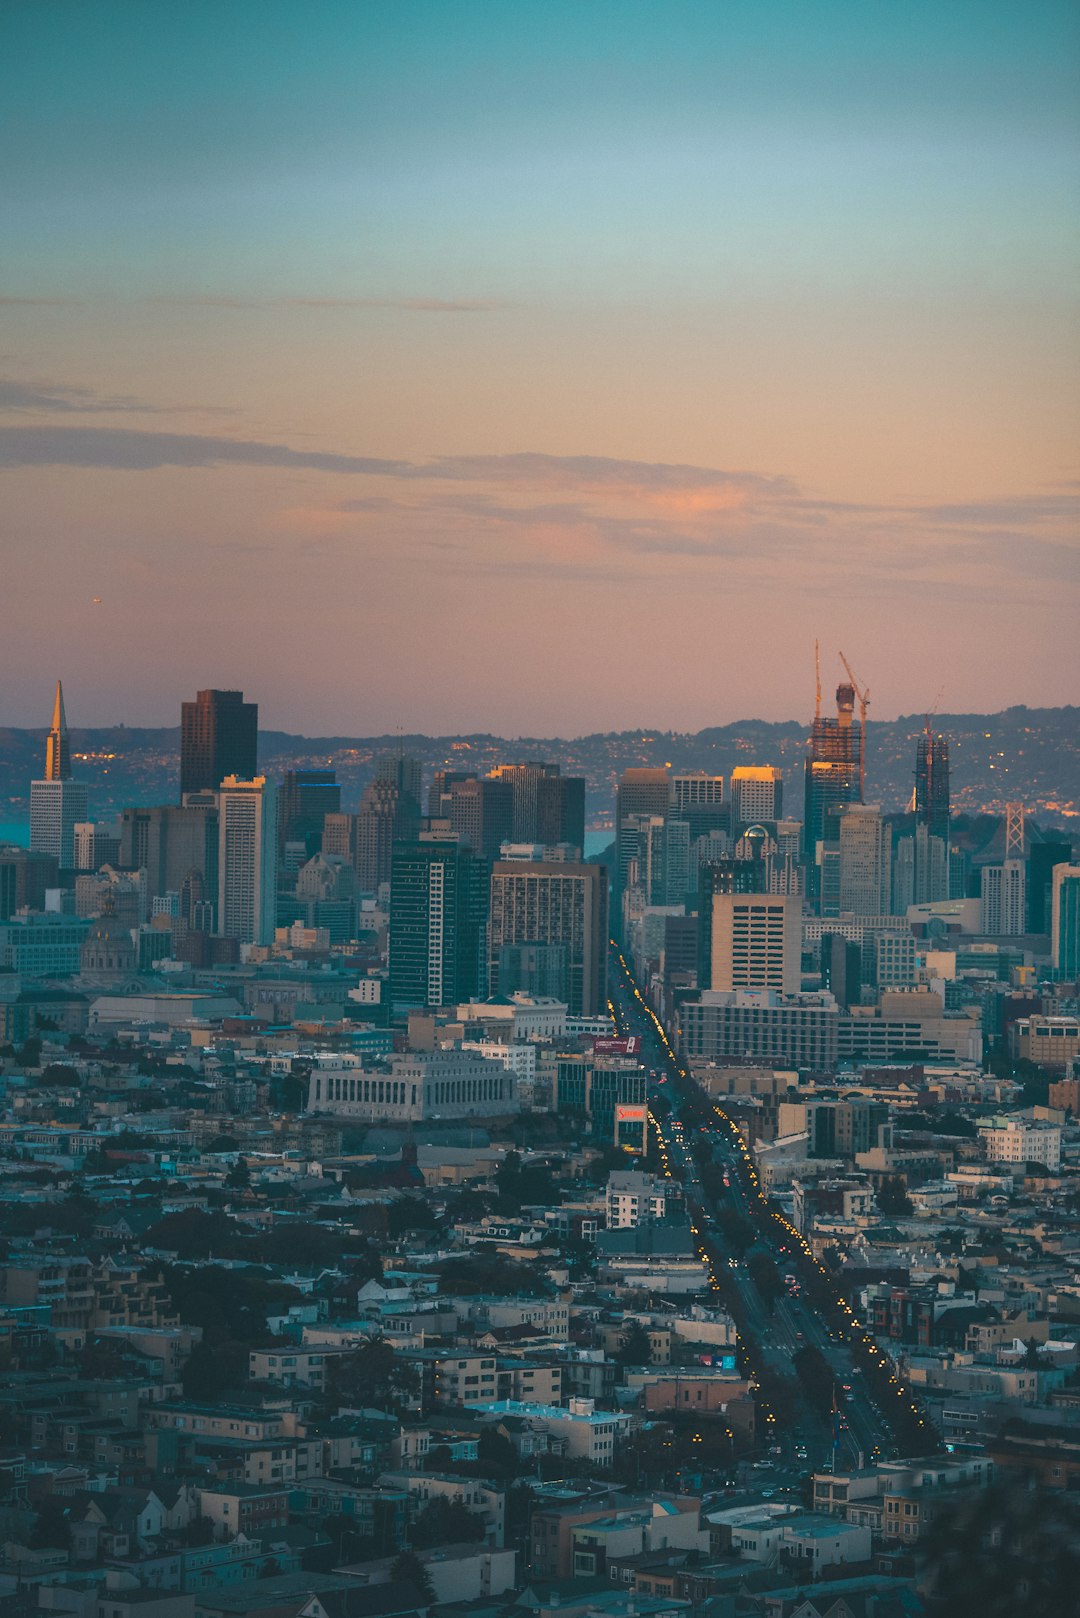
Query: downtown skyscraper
[[835, 763], [57, 803], [219, 734]]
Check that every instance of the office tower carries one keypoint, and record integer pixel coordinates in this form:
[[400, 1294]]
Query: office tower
[[438, 917], [721, 876], [480, 812], [698, 799], [757, 793], [97, 843], [756, 942], [388, 813], [247, 860], [1065, 922], [25, 877], [304, 801], [865, 861], [560, 810], [169, 841], [640, 792], [841, 969], [833, 776], [1004, 899], [524, 782], [932, 784], [660, 868], [553, 902], [57, 803], [219, 736], [1043, 859], [405, 773], [339, 836]]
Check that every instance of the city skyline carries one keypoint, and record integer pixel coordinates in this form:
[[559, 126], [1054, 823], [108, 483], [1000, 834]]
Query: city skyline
[[339, 329]]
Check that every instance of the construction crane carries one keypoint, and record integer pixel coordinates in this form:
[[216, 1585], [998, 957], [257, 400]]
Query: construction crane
[[817, 679], [864, 703]]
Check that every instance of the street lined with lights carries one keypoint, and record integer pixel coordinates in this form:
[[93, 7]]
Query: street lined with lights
[[776, 1230]]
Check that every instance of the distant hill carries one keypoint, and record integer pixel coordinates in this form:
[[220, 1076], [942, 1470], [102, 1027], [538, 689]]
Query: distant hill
[[1027, 754]]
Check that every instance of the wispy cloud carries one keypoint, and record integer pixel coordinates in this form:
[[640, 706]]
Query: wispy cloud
[[422, 306], [9, 300], [62, 398], [578, 515]]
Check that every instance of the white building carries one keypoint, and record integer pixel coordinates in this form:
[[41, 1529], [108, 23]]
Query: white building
[[634, 1199], [1004, 899], [578, 1429], [865, 861], [895, 960], [1015, 1138], [56, 807], [413, 1086], [526, 1016], [756, 942], [757, 793], [247, 855]]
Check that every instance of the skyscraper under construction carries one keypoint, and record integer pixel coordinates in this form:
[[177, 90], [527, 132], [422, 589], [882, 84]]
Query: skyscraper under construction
[[932, 784], [834, 774]]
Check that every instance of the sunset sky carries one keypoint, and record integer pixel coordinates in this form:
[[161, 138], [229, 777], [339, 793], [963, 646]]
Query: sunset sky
[[537, 367]]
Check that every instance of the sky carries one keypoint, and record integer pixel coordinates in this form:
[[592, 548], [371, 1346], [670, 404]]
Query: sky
[[539, 368]]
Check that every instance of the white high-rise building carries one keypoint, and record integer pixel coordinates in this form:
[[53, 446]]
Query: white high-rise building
[[756, 941], [1004, 899], [247, 852], [865, 861], [757, 793], [57, 803], [56, 807]]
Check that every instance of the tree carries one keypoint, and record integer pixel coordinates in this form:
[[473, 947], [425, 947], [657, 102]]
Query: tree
[[372, 1376], [1003, 1551], [60, 1074], [446, 1522], [222, 1143], [239, 1176], [766, 1277], [496, 1456], [634, 1346], [213, 1369], [409, 1569], [892, 1197]]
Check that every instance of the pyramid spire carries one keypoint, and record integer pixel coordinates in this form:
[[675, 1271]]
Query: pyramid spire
[[58, 748]]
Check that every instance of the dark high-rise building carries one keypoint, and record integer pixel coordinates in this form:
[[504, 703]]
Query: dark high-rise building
[[25, 875], [560, 810], [841, 969], [932, 784], [304, 801], [553, 902], [480, 812], [1041, 860], [548, 807], [218, 737], [438, 923], [388, 814], [403, 772], [834, 767], [170, 842], [640, 792]]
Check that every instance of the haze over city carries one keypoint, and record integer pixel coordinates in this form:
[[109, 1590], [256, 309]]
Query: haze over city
[[538, 369]]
